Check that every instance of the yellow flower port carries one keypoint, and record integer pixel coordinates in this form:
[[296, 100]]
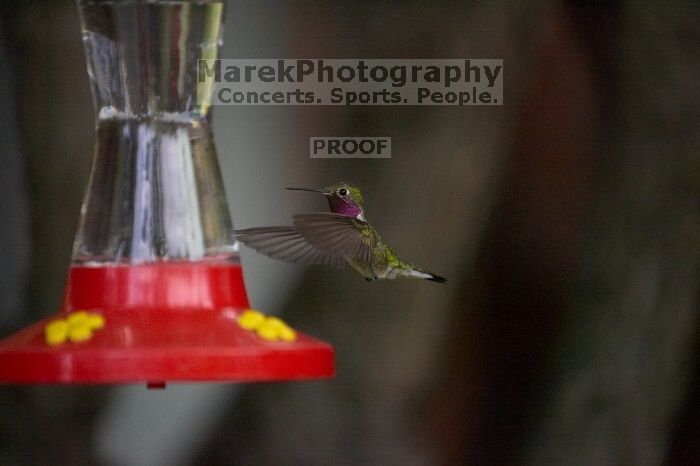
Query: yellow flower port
[[267, 328], [77, 327]]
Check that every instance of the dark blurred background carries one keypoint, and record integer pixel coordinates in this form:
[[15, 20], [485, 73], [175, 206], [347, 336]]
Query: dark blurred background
[[567, 222]]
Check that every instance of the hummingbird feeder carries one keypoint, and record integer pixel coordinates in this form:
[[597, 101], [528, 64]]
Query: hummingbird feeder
[[155, 288]]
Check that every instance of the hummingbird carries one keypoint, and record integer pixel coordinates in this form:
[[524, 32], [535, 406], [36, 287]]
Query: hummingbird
[[337, 238]]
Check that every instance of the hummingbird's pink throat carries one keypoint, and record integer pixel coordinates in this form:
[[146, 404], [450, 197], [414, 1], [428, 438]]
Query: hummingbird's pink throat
[[344, 207]]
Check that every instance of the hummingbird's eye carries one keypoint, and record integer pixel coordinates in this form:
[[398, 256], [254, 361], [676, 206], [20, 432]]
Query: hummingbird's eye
[[342, 192]]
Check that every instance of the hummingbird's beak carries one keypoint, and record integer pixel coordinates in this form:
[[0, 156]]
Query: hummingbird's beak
[[307, 189]]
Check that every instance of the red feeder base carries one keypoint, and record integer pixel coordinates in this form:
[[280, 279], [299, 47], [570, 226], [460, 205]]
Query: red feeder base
[[164, 323]]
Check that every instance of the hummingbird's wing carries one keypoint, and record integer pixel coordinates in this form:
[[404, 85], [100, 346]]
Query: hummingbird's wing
[[337, 234], [287, 244]]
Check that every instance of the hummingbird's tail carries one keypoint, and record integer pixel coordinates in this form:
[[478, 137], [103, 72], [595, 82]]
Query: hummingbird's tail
[[418, 273], [436, 278]]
